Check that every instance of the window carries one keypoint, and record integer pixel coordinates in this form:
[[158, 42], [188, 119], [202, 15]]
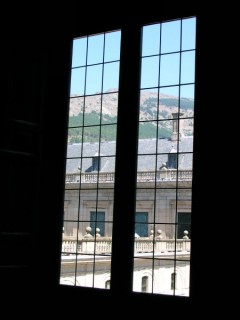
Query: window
[[173, 280], [144, 284], [129, 158], [97, 223], [90, 159], [141, 226], [165, 149], [107, 284]]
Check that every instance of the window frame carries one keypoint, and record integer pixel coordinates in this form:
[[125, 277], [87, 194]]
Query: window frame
[[128, 84]]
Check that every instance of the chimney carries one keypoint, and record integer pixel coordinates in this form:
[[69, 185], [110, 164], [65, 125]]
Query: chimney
[[96, 162], [176, 134]]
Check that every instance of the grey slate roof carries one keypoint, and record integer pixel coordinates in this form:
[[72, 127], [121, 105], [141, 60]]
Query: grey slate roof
[[147, 149]]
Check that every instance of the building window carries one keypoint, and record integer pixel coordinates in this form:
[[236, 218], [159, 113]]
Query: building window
[[173, 280], [141, 225], [97, 223], [107, 284], [183, 225], [130, 145], [144, 284]]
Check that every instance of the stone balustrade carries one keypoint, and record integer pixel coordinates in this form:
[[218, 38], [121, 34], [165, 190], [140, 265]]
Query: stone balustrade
[[144, 176], [103, 245]]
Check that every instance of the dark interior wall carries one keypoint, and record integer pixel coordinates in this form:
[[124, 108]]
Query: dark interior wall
[[33, 116]]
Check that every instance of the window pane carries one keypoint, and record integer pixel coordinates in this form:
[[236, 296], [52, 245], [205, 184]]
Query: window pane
[[170, 36], [111, 76], [77, 82], [79, 52], [188, 67], [75, 112], [169, 70], [149, 77], [148, 104], [95, 49], [151, 40], [188, 34], [109, 107], [148, 130], [92, 110], [112, 46], [94, 79]]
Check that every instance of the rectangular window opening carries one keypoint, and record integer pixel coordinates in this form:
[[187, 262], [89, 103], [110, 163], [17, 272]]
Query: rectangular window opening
[[163, 197], [164, 159], [90, 161]]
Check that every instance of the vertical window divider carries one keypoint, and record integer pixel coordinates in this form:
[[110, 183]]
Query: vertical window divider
[[126, 160]]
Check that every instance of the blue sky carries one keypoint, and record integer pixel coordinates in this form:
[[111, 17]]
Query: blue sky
[[169, 69]]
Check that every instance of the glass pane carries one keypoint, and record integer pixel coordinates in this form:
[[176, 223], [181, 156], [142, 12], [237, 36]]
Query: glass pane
[[108, 132], [146, 163], [170, 36], [111, 77], [185, 164], [142, 271], [188, 67], [169, 70], [68, 265], [70, 233], [109, 108], [94, 79], [79, 52], [164, 210], [188, 34], [95, 49], [112, 46], [168, 93], [145, 205], [148, 130], [108, 148], [72, 177], [149, 73], [85, 267], [75, 134], [187, 99], [151, 40], [163, 269], [148, 104], [182, 278], [186, 135], [99, 280], [92, 110], [76, 106], [90, 149], [77, 82], [164, 132]]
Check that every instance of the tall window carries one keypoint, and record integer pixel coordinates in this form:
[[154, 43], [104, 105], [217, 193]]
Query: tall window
[[90, 158], [165, 147], [130, 157]]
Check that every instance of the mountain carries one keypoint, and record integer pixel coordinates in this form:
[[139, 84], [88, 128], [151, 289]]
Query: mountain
[[149, 111]]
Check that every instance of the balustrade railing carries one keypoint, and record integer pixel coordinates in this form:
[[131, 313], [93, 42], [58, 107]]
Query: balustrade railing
[[103, 245], [144, 176]]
